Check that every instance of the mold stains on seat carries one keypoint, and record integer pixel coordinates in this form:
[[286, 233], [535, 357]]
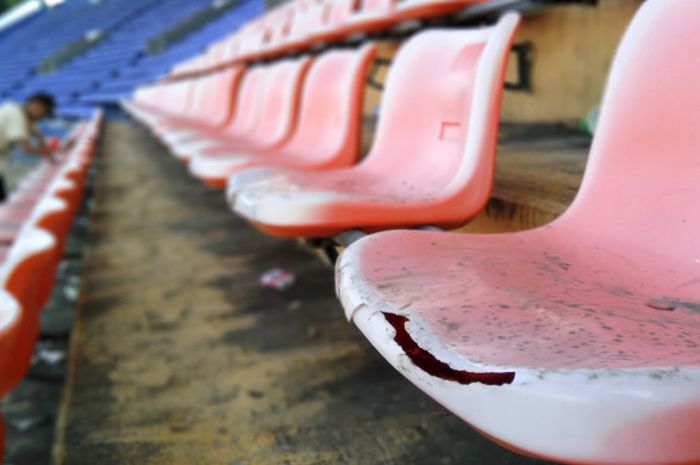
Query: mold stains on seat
[[431, 365]]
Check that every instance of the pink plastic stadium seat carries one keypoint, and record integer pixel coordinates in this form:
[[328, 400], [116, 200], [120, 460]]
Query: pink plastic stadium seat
[[162, 101], [414, 9], [190, 113], [274, 117], [334, 18], [246, 104], [374, 15], [577, 341], [328, 131], [433, 155], [308, 17], [213, 102], [230, 54], [175, 99], [210, 104], [253, 38], [278, 28], [381, 14]]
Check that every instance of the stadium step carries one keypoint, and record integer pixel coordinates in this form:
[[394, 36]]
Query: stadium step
[[179, 356]]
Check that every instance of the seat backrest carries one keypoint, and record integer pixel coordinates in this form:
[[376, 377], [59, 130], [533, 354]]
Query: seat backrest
[[252, 38], [177, 97], [231, 49], [439, 114], [247, 102], [216, 96], [280, 102], [375, 6], [145, 95], [336, 13], [435, 7], [280, 25], [9, 329], [211, 58], [200, 87], [642, 181], [331, 104], [308, 17]]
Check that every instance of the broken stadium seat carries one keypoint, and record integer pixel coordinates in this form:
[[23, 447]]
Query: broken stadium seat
[[576, 341], [455, 78]]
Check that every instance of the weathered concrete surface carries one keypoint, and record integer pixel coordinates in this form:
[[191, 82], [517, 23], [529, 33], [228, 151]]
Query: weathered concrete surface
[[179, 357]]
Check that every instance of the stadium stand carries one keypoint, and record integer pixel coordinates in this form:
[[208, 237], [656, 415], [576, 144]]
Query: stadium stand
[[574, 342], [119, 59], [462, 340], [34, 223], [142, 68]]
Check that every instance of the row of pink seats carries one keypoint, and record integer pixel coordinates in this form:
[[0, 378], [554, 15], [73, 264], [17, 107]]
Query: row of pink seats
[[577, 341], [297, 120], [34, 223], [299, 24]]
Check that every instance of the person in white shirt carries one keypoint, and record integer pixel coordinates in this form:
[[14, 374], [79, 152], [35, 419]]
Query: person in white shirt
[[17, 128]]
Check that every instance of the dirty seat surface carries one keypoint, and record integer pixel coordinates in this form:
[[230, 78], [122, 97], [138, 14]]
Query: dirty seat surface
[[585, 330]]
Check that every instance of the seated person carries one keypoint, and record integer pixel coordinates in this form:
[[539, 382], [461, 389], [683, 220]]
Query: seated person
[[17, 127]]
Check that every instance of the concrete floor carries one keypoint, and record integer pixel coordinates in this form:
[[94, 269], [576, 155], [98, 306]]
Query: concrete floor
[[178, 356]]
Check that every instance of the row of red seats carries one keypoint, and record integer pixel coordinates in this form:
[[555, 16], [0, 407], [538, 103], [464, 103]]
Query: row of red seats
[[34, 223], [299, 24], [577, 341]]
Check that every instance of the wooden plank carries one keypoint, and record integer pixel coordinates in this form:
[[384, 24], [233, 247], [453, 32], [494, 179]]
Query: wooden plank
[[179, 357], [535, 181]]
